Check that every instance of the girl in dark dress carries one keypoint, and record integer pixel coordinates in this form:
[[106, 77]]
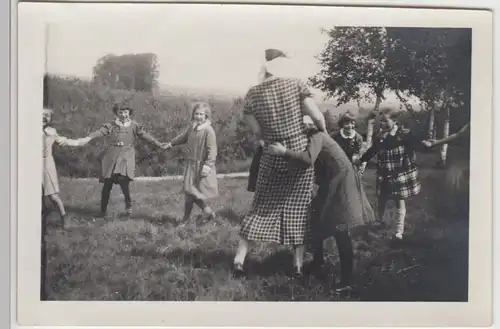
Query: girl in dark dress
[[337, 207], [118, 163], [347, 137]]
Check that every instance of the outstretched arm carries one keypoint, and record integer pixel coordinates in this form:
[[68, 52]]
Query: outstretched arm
[[303, 159], [181, 139], [451, 138], [142, 133]]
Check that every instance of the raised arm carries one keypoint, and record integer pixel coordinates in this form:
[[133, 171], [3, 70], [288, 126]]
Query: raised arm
[[310, 108], [452, 137]]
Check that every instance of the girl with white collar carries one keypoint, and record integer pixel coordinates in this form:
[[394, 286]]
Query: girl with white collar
[[200, 177], [397, 172], [118, 162], [347, 137]]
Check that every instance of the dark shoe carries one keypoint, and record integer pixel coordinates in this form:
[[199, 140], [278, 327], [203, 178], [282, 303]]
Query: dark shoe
[[297, 273], [63, 221], [238, 270], [128, 212], [343, 287], [396, 242]]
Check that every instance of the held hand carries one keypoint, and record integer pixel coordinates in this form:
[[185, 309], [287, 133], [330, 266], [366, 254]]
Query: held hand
[[83, 141], [276, 149], [362, 168], [166, 146], [429, 143], [205, 170]]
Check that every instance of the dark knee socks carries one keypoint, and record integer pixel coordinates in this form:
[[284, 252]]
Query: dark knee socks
[[126, 193], [346, 255], [106, 191]]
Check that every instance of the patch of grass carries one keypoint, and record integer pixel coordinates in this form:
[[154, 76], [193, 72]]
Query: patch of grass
[[151, 257]]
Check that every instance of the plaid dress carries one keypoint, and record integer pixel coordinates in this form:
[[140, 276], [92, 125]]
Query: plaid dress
[[280, 207], [397, 172]]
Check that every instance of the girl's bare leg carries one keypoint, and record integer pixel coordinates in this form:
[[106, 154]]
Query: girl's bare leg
[[60, 206]]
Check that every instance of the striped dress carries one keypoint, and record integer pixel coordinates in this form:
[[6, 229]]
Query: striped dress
[[279, 212]]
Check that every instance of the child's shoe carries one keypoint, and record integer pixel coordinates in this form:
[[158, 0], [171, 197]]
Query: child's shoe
[[128, 212]]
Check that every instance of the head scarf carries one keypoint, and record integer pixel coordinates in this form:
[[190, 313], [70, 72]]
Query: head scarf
[[277, 64]]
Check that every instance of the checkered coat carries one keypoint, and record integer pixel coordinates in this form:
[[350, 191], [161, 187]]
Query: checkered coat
[[397, 172], [279, 212]]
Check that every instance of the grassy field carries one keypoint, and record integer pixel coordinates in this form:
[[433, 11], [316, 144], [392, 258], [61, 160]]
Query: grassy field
[[151, 257]]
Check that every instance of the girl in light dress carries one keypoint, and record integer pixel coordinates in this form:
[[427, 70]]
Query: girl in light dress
[[200, 176], [50, 183]]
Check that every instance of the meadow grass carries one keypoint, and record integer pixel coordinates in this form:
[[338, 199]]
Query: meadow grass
[[151, 257]]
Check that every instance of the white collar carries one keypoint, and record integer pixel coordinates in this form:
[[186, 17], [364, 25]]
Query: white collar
[[344, 135], [201, 126], [123, 124]]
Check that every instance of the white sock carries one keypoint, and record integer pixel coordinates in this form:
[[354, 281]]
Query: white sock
[[299, 255], [400, 223], [241, 253]]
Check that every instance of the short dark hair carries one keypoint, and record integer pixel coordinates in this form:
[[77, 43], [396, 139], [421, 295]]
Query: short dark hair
[[345, 118]]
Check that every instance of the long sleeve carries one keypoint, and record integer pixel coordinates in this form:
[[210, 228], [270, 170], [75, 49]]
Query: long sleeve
[[307, 158], [211, 145], [182, 138], [342, 165], [142, 133], [103, 131], [370, 153], [411, 141], [358, 143]]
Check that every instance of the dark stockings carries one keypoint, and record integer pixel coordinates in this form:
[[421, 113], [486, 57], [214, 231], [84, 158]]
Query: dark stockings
[[106, 192], [346, 255]]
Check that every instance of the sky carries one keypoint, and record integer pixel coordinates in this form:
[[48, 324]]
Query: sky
[[214, 47]]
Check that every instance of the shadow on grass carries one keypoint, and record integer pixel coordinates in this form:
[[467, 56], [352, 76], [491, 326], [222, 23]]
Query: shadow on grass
[[199, 258], [229, 215]]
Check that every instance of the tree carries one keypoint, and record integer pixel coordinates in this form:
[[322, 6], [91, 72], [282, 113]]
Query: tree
[[137, 72], [430, 64], [354, 63], [433, 65]]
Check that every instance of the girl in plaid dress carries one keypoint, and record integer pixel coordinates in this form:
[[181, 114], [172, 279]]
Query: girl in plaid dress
[[200, 177], [337, 207], [397, 172], [279, 214]]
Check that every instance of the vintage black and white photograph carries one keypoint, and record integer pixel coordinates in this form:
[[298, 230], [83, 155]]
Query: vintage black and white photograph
[[309, 162], [254, 153]]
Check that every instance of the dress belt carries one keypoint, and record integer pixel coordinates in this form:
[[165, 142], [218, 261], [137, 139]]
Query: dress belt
[[120, 144]]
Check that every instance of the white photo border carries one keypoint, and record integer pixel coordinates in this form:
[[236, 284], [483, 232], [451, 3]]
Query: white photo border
[[31, 311]]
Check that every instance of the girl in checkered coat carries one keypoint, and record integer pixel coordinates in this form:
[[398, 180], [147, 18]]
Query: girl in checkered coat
[[397, 172], [279, 214]]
